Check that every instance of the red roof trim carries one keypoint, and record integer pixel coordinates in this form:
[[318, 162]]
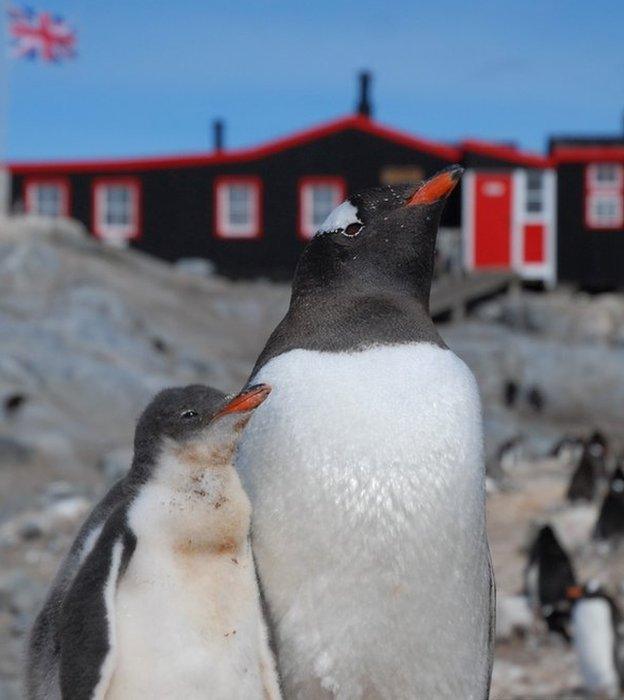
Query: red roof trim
[[508, 153], [599, 154], [358, 123], [449, 153]]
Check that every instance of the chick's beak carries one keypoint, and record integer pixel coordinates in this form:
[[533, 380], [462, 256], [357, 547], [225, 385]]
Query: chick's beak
[[247, 400], [437, 187]]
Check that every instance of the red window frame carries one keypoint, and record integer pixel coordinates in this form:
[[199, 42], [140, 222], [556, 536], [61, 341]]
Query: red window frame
[[595, 189], [134, 183], [221, 229], [304, 230], [62, 182]]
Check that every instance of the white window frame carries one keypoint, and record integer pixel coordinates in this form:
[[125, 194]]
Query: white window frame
[[307, 185], [594, 183], [528, 212], [225, 228], [596, 220], [611, 190], [116, 234], [31, 195]]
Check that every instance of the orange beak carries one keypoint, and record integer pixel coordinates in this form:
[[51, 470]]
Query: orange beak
[[247, 400], [574, 592], [437, 187]]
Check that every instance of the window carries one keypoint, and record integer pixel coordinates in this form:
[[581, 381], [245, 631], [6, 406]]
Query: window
[[604, 175], [238, 208], [534, 192], [318, 197], [47, 197], [116, 210], [604, 185], [604, 210]]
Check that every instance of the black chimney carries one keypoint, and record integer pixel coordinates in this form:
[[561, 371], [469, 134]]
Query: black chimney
[[217, 135], [364, 108]]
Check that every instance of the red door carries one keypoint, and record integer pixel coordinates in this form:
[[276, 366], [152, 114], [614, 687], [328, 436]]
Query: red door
[[492, 220]]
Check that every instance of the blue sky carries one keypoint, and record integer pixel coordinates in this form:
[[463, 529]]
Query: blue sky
[[151, 75]]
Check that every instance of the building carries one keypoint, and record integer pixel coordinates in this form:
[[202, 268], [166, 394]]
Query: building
[[250, 211], [509, 212], [590, 210]]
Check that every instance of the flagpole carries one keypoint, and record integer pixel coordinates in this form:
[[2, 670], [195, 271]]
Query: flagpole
[[5, 180]]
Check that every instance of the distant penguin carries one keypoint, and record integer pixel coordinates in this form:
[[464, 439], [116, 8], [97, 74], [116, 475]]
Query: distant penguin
[[510, 393], [535, 399], [510, 453], [567, 450], [598, 450], [610, 523], [158, 596], [598, 444], [584, 480], [598, 640], [365, 469], [548, 575]]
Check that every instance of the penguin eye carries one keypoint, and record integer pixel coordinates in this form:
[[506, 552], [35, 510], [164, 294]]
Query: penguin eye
[[352, 229], [188, 414]]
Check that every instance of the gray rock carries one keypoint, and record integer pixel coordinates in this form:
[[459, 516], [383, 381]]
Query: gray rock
[[200, 267], [19, 593], [10, 689], [513, 616], [115, 464], [14, 451]]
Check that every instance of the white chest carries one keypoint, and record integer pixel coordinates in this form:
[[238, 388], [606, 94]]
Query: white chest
[[594, 642], [365, 473], [187, 619]]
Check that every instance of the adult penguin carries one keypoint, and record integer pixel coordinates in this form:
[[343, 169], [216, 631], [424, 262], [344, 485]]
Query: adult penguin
[[365, 469], [598, 634], [610, 522], [548, 575]]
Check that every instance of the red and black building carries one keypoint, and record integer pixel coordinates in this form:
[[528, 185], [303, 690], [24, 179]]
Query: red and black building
[[590, 211], [250, 211]]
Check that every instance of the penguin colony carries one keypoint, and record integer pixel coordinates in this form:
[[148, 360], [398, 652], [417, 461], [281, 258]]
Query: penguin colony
[[363, 478], [584, 615]]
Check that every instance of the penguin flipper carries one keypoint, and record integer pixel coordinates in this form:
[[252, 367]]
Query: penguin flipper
[[87, 617]]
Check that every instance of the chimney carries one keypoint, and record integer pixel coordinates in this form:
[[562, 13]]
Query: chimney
[[217, 135], [364, 107]]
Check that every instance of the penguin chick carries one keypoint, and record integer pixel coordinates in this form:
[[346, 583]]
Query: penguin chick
[[597, 636], [158, 597]]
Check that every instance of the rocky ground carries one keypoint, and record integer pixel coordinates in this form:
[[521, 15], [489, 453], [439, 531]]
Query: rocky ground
[[88, 334]]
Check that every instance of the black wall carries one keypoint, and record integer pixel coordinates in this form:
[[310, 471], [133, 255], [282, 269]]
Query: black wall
[[178, 204], [592, 258]]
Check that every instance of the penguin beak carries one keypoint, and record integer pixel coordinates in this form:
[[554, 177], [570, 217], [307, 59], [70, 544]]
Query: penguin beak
[[247, 400], [574, 592], [437, 187]]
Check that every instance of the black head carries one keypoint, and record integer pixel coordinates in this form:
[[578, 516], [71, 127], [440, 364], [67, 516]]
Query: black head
[[185, 414], [383, 238], [546, 544], [616, 484], [598, 444]]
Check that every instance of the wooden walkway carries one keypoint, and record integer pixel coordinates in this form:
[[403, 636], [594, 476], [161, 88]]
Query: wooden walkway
[[453, 295]]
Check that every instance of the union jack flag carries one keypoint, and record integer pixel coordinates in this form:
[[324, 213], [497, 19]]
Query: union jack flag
[[40, 34]]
